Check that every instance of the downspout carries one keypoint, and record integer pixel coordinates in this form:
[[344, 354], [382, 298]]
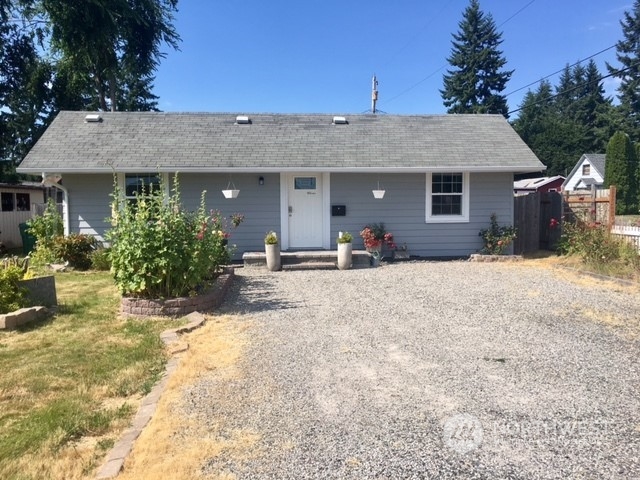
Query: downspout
[[52, 181]]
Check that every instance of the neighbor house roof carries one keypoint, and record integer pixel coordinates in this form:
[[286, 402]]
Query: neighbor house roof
[[210, 142], [535, 183]]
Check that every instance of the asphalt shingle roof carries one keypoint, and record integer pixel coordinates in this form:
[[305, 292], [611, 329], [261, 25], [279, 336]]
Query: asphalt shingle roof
[[201, 142], [598, 161]]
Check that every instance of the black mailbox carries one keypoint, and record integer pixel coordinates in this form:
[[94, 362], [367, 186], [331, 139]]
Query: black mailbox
[[338, 210]]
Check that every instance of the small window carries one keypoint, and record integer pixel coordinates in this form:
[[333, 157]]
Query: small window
[[23, 202], [136, 184], [304, 183], [447, 197], [586, 169], [7, 199]]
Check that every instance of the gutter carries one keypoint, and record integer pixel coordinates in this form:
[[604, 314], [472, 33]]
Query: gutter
[[51, 180]]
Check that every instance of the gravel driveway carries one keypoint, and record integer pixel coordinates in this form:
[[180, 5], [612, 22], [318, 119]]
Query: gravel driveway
[[430, 370]]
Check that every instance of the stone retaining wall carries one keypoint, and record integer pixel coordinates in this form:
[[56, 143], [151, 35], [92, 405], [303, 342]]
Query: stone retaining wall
[[179, 307]]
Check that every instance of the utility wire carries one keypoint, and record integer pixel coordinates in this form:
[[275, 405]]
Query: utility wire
[[561, 70], [411, 40], [581, 85], [445, 65]]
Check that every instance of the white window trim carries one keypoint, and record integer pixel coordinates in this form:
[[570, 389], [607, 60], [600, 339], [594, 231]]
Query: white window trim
[[464, 217]]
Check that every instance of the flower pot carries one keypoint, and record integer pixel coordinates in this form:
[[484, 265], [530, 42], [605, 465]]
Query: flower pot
[[230, 193], [378, 193], [273, 257], [344, 255]]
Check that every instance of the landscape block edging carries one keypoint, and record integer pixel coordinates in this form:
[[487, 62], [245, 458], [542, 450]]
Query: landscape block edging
[[118, 454], [181, 306]]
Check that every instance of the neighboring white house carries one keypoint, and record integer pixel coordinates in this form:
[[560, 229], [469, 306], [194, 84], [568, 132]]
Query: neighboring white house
[[16, 204], [588, 171]]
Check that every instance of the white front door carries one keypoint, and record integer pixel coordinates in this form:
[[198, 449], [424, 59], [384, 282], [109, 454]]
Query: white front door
[[305, 211]]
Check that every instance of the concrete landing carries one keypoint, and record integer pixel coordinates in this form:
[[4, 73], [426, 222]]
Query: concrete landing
[[308, 259]]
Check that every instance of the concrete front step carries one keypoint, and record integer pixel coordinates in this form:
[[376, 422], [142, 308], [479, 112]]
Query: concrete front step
[[308, 260]]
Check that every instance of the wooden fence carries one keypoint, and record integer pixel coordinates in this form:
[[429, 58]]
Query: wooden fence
[[532, 219], [597, 206]]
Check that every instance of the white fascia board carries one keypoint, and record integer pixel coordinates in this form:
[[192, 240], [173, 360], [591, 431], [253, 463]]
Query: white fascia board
[[452, 168]]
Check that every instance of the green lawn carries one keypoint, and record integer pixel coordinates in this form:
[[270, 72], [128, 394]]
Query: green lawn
[[69, 385]]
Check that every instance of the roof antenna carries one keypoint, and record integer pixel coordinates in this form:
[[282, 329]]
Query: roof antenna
[[374, 93]]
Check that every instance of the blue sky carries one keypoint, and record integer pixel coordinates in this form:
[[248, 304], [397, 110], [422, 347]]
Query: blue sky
[[319, 56]]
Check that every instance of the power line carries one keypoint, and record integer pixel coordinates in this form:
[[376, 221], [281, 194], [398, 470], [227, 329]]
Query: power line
[[445, 65], [561, 70], [581, 85], [411, 40]]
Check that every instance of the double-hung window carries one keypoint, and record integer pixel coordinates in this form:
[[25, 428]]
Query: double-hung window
[[133, 184], [447, 197]]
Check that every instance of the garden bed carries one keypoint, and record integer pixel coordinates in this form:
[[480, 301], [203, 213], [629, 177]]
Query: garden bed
[[181, 306]]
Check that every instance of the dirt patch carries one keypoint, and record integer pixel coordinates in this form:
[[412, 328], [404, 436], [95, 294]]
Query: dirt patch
[[173, 442]]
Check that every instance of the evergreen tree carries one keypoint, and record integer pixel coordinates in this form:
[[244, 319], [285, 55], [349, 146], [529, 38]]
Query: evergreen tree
[[578, 119], [628, 55], [621, 171], [476, 82]]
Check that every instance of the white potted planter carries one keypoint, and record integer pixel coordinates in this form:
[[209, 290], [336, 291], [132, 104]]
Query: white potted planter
[[345, 250], [378, 194], [231, 193], [272, 251]]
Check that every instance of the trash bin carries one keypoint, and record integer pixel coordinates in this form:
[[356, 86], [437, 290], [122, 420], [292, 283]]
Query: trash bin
[[28, 240]]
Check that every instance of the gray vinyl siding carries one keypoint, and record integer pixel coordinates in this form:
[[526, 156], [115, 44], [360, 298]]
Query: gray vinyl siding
[[89, 203], [90, 200], [260, 204], [403, 211]]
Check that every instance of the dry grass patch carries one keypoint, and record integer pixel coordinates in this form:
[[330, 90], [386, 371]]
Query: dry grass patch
[[572, 269], [628, 327], [70, 385], [177, 443]]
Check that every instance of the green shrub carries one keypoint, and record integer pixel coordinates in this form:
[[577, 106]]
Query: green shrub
[[75, 249], [43, 255], [595, 245], [101, 259], [496, 239], [12, 297], [158, 249], [46, 227]]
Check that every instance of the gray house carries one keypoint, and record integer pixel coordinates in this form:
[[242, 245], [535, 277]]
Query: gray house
[[305, 176]]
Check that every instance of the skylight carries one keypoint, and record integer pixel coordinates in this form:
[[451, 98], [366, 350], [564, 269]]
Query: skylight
[[340, 121]]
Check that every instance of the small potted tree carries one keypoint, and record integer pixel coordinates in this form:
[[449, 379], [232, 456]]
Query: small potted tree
[[345, 249], [272, 250]]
